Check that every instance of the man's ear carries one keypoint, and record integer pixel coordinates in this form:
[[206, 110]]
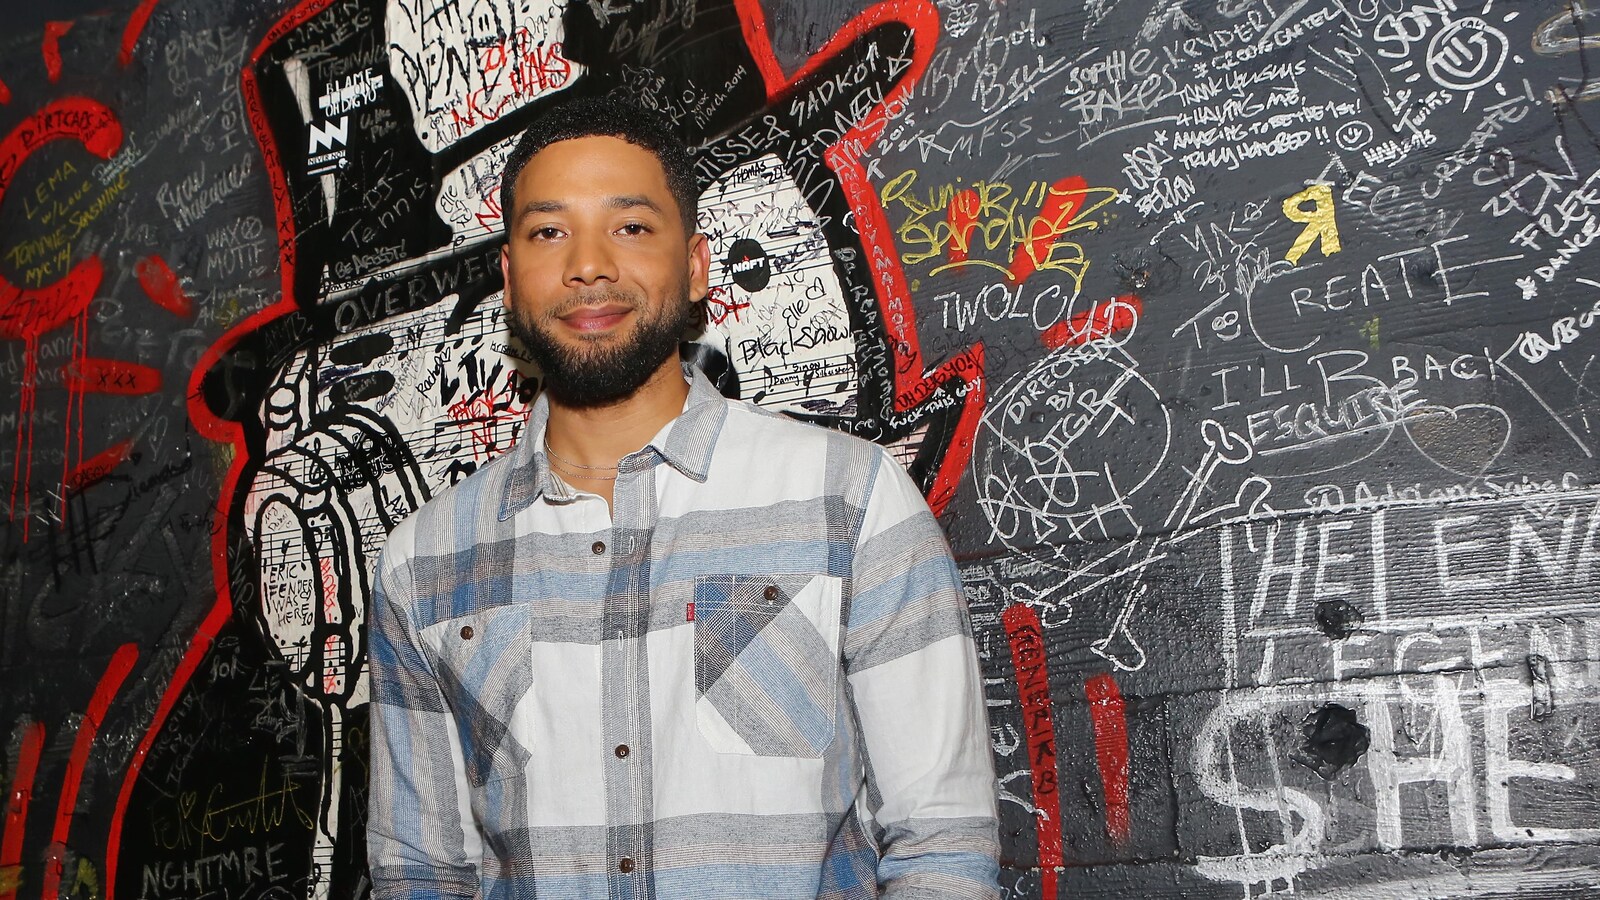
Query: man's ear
[[699, 266], [505, 275]]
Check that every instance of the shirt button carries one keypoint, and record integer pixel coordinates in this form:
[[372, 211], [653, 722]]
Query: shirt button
[[625, 865], [771, 593], [622, 751], [598, 547], [466, 632]]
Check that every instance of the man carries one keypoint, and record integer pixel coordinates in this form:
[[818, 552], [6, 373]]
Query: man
[[669, 645]]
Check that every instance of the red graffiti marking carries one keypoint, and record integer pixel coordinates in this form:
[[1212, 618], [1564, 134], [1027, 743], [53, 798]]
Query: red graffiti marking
[[51, 48], [330, 587], [75, 398], [491, 218], [17, 807], [27, 313], [180, 677], [486, 410], [5, 93], [94, 469], [121, 664], [283, 208], [130, 34], [1111, 750], [332, 675], [1107, 318], [31, 312], [1028, 659], [963, 217], [1062, 203], [753, 22], [534, 68], [162, 286], [913, 382], [720, 305], [217, 429], [111, 376]]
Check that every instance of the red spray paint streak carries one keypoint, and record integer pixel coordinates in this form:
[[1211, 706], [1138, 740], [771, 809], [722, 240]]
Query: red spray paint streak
[[85, 375], [22, 459], [112, 376], [220, 430], [130, 34], [121, 663], [1062, 203], [74, 414], [17, 807], [1107, 318], [27, 313], [1107, 713], [753, 24], [162, 286], [1028, 659], [180, 676], [5, 93], [96, 467], [50, 48], [912, 382]]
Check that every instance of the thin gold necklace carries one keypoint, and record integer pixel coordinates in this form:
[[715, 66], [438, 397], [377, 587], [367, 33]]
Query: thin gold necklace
[[571, 466], [565, 474]]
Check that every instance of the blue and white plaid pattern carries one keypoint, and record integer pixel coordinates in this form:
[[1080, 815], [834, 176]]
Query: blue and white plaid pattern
[[754, 678]]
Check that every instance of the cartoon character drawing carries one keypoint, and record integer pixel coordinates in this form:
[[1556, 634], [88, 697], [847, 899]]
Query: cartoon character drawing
[[385, 374]]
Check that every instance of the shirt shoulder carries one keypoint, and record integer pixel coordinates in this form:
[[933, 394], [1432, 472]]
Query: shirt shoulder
[[787, 446], [788, 436], [769, 456]]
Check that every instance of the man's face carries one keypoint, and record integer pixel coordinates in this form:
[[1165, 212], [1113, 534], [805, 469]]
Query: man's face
[[601, 276]]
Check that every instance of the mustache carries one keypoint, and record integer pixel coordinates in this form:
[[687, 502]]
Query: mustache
[[596, 297]]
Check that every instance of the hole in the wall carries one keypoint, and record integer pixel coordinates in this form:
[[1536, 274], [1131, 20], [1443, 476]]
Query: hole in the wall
[[1338, 619], [1333, 740]]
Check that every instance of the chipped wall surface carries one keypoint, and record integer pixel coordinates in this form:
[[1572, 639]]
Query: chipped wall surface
[[1242, 347]]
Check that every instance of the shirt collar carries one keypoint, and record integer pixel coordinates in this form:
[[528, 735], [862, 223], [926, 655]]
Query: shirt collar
[[686, 443]]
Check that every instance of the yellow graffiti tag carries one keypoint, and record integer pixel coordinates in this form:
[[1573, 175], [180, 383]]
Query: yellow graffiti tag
[[995, 225], [1318, 220]]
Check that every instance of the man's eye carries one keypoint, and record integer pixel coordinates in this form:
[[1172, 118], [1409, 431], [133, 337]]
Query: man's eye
[[547, 233], [635, 228]]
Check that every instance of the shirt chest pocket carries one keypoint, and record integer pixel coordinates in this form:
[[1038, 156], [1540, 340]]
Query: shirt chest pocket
[[766, 663], [485, 668]]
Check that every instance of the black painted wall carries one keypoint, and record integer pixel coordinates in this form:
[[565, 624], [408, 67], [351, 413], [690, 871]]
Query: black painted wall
[[1242, 346]]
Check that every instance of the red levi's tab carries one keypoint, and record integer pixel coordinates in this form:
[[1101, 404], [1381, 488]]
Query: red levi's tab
[[688, 612]]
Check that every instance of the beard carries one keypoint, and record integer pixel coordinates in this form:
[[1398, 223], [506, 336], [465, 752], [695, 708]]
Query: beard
[[601, 371]]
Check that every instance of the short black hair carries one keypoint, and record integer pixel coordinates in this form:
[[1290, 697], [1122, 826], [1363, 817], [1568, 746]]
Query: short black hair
[[606, 116]]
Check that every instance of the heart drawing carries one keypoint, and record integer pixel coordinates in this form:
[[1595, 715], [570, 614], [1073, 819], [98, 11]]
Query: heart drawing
[[1464, 439]]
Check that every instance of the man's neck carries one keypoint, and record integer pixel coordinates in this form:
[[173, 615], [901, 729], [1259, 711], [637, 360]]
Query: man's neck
[[600, 436]]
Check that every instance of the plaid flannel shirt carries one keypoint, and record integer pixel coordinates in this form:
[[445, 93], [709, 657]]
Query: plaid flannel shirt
[[754, 678]]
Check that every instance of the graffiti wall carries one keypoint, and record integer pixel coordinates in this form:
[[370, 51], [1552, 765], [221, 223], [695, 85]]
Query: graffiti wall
[[1241, 346]]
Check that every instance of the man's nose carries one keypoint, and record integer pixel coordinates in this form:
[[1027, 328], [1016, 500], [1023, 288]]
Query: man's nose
[[589, 260]]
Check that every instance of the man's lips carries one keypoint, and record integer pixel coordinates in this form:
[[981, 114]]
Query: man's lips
[[595, 318]]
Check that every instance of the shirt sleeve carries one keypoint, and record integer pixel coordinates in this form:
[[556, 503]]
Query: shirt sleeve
[[421, 840], [918, 696]]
